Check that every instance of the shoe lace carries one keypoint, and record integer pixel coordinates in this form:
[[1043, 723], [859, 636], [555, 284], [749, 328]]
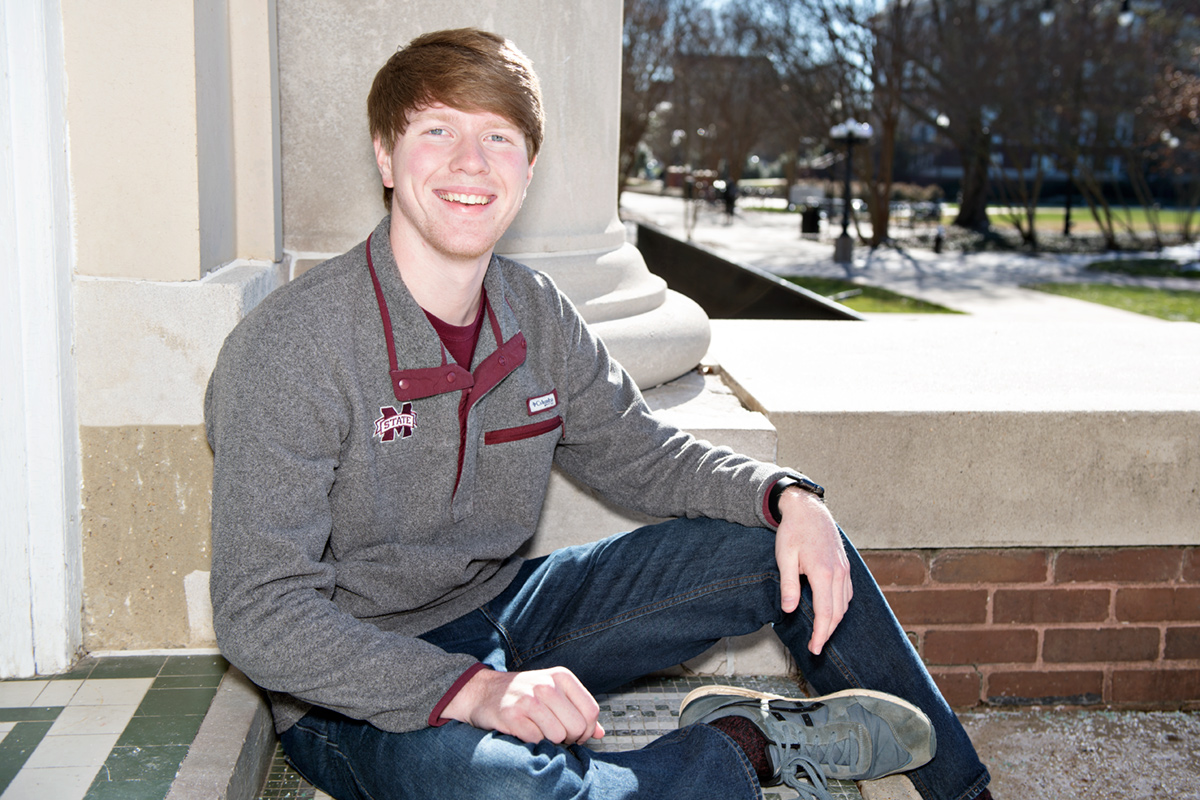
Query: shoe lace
[[817, 785]]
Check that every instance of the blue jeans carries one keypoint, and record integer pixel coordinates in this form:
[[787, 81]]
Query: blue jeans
[[612, 611]]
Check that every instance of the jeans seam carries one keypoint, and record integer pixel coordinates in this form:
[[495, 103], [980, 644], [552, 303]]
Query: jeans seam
[[346, 761], [667, 602]]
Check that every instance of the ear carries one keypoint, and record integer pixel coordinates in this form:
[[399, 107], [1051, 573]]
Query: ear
[[529, 174], [383, 160]]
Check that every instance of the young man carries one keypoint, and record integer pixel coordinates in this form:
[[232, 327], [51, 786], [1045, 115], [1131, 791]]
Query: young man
[[383, 430]]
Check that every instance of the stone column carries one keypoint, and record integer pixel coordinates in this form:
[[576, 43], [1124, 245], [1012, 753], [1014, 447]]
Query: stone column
[[330, 51]]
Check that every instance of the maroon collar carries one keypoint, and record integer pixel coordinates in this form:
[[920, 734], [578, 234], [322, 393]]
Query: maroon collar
[[415, 384]]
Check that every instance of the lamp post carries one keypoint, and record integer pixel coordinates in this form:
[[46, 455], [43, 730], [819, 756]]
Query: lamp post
[[849, 133]]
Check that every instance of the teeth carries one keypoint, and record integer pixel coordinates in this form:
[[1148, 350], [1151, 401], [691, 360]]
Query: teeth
[[467, 199]]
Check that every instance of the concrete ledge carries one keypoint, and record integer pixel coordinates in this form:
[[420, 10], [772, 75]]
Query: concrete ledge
[[145, 349], [964, 433], [232, 753]]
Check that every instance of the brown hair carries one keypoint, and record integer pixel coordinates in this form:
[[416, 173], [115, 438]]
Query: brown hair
[[467, 69]]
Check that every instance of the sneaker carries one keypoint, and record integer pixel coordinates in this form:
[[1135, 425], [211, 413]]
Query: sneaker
[[850, 735]]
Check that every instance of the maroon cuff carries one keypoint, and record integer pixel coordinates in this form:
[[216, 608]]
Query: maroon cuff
[[435, 716], [767, 507]]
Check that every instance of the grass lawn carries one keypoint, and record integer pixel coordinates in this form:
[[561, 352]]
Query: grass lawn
[[1178, 306], [1145, 267], [868, 299]]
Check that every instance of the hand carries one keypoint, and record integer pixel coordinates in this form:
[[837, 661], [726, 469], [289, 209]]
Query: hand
[[545, 704], [808, 543]]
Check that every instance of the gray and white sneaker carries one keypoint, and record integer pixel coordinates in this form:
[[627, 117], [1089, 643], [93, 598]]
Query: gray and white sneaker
[[855, 734]]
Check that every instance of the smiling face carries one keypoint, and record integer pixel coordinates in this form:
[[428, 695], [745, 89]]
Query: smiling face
[[458, 180]]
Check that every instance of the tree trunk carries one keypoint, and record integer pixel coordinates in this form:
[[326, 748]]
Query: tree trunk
[[972, 209]]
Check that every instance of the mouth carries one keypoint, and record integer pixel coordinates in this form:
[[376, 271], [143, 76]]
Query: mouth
[[466, 199]]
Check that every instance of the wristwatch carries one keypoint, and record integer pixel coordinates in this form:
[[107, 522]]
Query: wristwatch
[[788, 481]]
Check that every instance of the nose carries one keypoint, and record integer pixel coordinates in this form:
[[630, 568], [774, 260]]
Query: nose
[[469, 157]]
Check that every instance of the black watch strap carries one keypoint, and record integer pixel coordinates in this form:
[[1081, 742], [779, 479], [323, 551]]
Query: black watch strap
[[786, 482]]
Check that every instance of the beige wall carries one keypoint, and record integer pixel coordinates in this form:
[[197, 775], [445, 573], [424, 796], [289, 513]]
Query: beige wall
[[131, 107], [174, 171], [154, 87]]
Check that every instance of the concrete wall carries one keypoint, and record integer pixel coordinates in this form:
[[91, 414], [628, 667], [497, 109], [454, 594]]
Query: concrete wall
[[145, 354], [961, 433], [175, 179]]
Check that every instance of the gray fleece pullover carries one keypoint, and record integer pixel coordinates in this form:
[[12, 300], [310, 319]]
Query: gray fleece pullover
[[350, 515]]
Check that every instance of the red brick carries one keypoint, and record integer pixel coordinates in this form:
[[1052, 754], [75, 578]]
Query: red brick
[[1159, 603], [1183, 643], [1121, 565], [1191, 565], [990, 566], [938, 606], [896, 568], [980, 646], [1039, 687], [1050, 605], [1158, 686], [961, 689], [1101, 644]]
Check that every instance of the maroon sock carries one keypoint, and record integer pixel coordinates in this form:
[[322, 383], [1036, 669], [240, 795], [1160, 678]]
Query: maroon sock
[[748, 737]]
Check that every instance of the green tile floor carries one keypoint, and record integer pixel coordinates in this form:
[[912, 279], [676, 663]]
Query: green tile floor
[[632, 716], [112, 728]]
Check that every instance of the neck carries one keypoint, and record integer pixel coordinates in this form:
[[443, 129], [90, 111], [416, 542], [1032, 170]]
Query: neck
[[447, 287]]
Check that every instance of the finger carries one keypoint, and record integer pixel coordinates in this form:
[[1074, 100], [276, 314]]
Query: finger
[[558, 718], [789, 578], [587, 707], [826, 619], [827, 611]]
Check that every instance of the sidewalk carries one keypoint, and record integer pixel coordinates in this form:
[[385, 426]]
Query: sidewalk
[[985, 285]]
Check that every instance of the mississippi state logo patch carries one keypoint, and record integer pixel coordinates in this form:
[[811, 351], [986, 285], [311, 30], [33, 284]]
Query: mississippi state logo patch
[[393, 423]]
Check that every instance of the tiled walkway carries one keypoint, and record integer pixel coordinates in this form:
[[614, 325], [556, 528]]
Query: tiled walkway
[[631, 716], [110, 729]]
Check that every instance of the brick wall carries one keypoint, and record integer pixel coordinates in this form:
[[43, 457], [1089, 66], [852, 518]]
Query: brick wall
[[1117, 626]]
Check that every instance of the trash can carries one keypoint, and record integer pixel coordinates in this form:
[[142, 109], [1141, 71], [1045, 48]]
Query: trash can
[[810, 220]]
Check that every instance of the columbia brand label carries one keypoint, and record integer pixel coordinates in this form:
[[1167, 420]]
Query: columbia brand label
[[393, 423], [544, 403]]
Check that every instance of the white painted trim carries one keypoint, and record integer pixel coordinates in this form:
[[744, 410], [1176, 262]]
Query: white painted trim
[[159, 651], [40, 465]]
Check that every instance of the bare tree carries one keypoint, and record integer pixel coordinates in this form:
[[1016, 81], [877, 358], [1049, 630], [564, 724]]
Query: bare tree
[[1174, 107], [957, 51], [648, 50]]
